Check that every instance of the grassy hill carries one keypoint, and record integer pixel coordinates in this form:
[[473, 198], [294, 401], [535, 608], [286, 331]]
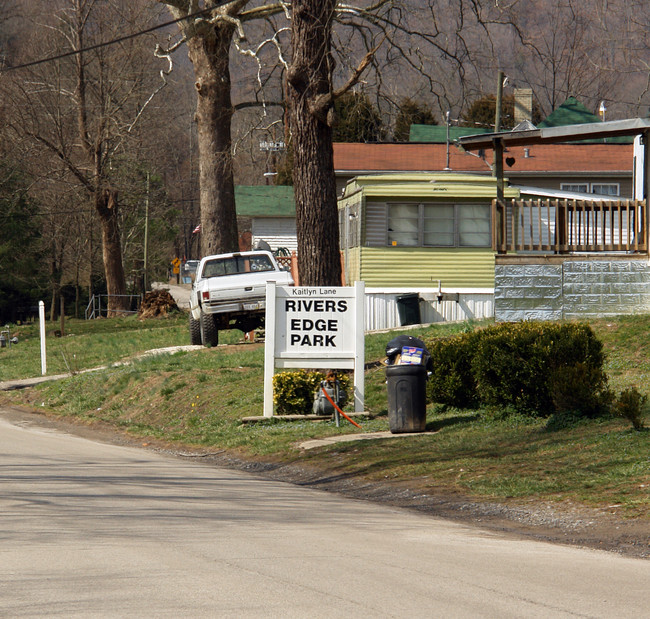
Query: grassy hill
[[199, 397]]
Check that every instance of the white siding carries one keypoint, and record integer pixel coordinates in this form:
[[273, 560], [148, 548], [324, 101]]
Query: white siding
[[276, 231], [473, 304]]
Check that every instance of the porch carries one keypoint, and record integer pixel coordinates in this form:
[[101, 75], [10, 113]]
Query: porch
[[559, 227], [570, 259]]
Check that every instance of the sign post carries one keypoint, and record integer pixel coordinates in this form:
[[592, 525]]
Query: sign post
[[315, 327]]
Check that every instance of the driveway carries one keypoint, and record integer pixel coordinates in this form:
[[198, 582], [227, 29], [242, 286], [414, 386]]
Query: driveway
[[180, 292]]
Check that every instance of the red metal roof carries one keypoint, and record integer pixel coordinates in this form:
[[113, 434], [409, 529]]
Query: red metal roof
[[411, 157]]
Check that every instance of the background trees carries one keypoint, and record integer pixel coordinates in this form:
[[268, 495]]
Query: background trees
[[78, 121], [356, 119], [593, 51], [442, 55], [411, 113], [21, 275]]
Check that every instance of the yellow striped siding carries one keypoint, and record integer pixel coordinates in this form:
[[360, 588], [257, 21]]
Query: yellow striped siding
[[418, 266], [352, 268]]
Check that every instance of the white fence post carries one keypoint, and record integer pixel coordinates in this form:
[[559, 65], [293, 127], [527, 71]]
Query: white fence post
[[41, 320]]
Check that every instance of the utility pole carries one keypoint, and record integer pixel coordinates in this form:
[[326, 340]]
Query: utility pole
[[497, 116], [447, 168], [497, 168]]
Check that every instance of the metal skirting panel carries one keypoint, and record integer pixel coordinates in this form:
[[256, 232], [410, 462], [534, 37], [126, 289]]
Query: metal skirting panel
[[572, 289], [424, 267], [382, 306]]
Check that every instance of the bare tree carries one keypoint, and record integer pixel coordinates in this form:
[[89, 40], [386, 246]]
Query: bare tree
[[83, 109], [214, 30], [591, 50], [311, 103], [209, 39]]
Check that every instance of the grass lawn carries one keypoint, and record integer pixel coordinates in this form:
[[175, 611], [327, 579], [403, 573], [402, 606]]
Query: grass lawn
[[199, 398]]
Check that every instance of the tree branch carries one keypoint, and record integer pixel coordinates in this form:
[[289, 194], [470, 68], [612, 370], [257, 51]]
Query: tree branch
[[354, 78], [81, 177], [322, 103]]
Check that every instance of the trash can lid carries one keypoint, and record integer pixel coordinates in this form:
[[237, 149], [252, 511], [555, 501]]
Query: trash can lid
[[395, 345]]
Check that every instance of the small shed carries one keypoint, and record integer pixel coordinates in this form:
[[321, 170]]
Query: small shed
[[417, 230]]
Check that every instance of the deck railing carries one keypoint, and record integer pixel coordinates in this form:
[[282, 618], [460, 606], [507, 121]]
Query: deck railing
[[564, 226], [290, 263]]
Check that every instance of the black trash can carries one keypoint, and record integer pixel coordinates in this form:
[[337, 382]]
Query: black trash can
[[408, 308], [407, 398]]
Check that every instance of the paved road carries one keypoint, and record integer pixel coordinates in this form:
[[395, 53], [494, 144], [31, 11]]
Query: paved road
[[96, 530]]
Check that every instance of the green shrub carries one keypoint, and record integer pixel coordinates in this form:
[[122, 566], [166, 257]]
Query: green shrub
[[580, 388], [518, 364], [452, 381], [293, 392], [629, 405], [507, 366], [535, 368]]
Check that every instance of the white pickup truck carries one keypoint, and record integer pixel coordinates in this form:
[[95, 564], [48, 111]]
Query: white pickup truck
[[229, 292]]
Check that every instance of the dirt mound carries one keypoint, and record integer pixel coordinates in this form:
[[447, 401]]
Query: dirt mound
[[157, 303]]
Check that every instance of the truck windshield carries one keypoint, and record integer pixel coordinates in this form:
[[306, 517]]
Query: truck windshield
[[236, 265]]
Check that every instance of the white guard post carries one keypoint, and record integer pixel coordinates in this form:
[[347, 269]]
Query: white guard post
[[316, 327], [41, 322]]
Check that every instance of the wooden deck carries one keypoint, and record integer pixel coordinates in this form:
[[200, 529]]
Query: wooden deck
[[568, 226]]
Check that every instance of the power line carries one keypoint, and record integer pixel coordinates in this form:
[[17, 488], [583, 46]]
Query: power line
[[127, 37]]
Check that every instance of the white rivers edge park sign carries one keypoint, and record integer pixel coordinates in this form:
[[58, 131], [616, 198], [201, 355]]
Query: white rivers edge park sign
[[317, 327]]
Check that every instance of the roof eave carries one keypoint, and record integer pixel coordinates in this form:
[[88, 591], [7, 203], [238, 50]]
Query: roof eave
[[553, 135]]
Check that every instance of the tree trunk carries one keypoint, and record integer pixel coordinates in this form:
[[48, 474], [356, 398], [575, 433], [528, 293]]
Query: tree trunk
[[309, 87], [210, 57], [107, 207]]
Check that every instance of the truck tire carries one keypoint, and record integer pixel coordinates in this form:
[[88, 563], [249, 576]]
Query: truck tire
[[209, 333], [195, 332]]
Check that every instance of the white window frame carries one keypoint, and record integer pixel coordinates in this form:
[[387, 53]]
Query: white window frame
[[590, 188], [617, 186], [419, 233], [575, 187]]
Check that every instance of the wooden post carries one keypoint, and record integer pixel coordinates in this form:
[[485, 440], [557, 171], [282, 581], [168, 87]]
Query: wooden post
[[497, 112], [645, 139], [294, 268], [62, 314], [498, 172], [561, 226]]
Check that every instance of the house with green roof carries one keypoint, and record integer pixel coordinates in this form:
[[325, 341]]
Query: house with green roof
[[437, 134], [269, 212], [571, 112]]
